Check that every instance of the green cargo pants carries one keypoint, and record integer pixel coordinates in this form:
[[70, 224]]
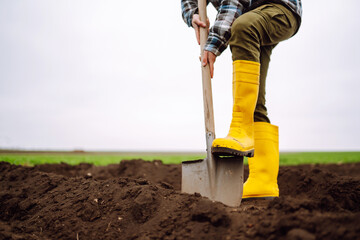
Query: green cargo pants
[[253, 37]]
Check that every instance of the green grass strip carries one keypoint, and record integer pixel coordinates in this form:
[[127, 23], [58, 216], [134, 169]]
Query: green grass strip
[[97, 159], [297, 158], [287, 158]]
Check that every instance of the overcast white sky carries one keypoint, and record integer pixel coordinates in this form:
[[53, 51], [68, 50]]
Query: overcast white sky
[[125, 75]]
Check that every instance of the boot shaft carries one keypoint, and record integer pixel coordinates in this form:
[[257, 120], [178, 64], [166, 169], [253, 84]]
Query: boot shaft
[[245, 92], [265, 163]]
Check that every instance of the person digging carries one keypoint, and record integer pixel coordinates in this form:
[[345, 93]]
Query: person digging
[[252, 29]]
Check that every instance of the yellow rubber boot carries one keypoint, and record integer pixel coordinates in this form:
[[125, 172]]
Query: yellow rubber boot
[[264, 166], [240, 139]]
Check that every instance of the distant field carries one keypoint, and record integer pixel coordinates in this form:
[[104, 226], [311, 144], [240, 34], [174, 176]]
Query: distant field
[[105, 158]]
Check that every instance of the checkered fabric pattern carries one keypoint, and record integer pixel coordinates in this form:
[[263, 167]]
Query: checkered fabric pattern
[[228, 11]]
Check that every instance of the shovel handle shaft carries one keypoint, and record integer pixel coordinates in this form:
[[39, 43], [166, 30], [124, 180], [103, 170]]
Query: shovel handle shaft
[[206, 77], [208, 103]]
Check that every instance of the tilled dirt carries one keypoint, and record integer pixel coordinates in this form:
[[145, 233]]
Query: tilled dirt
[[142, 200]]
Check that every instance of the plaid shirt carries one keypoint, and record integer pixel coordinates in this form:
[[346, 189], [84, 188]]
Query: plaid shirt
[[228, 11]]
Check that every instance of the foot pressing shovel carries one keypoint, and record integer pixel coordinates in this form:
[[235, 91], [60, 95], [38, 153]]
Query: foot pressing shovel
[[219, 179]]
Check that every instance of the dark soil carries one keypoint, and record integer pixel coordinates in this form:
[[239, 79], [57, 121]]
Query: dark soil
[[142, 200]]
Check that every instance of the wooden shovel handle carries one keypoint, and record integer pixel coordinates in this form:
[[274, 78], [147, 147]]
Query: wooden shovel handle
[[206, 77]]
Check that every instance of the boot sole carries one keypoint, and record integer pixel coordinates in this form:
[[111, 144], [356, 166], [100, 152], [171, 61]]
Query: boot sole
[[258, 198], [226, 152]]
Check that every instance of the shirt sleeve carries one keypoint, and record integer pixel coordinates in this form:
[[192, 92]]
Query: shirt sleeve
[[220, 32], [188, 9]]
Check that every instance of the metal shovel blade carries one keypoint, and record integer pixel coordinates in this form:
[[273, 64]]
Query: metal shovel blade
[[195, 178], [229, 180], [225, 185]]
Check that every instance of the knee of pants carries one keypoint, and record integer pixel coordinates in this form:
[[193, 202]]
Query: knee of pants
[[243, 30], [244, 41]]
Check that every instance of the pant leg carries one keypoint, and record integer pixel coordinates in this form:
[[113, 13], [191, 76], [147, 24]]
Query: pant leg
[[260, 114]]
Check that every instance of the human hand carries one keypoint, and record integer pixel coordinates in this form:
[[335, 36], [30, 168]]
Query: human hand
[[196, 23], [209, 58]]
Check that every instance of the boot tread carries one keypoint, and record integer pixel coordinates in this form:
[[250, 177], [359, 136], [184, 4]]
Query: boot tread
[[223, 151]]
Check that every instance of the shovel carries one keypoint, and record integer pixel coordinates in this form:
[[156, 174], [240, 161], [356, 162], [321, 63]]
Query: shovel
[[218, 178]]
